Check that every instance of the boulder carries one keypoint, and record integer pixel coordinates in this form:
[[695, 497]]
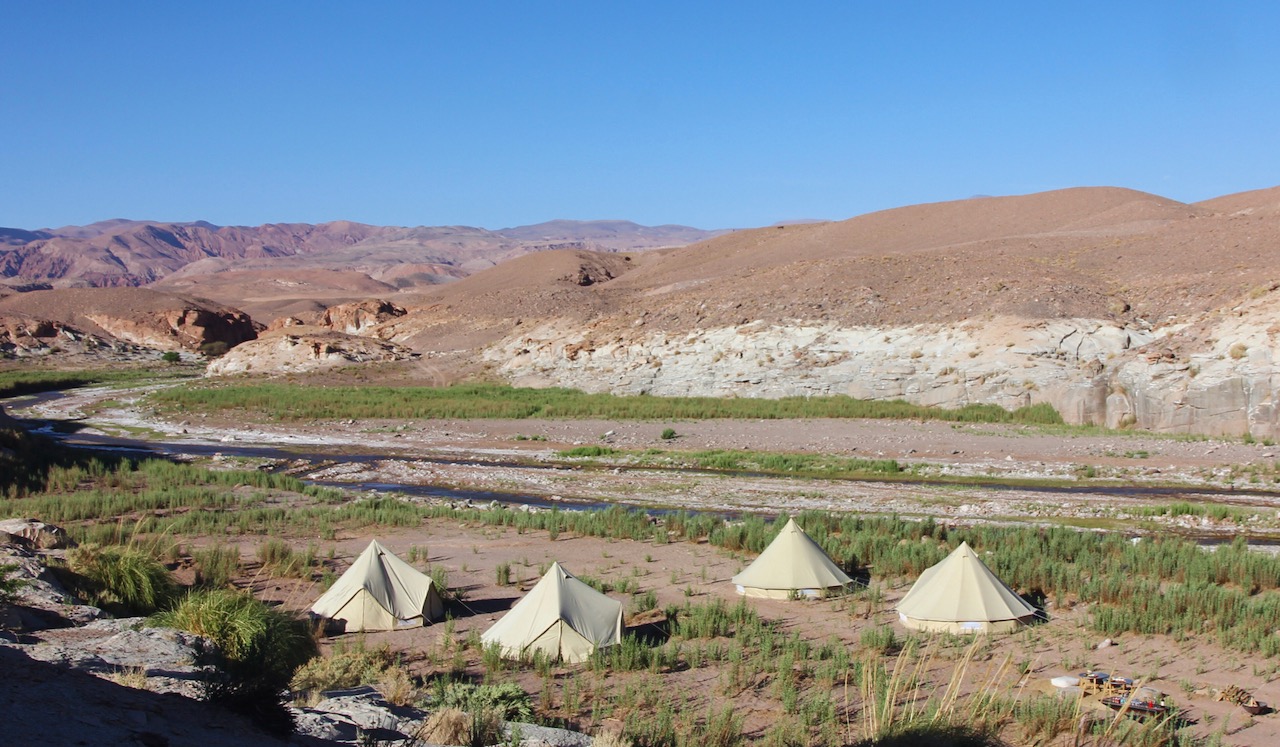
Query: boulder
[[355, 318], [41, 535]]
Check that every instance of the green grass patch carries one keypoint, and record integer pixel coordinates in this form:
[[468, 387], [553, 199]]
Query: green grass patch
[[285, 402], [19, 381]]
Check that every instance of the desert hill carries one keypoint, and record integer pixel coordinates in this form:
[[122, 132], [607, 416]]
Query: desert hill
[[1115, 306], [130, 253], [266, 296], [1096, 252]]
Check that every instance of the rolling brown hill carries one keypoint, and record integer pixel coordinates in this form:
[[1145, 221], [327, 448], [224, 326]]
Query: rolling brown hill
[[1114, 306], [1098, 252]]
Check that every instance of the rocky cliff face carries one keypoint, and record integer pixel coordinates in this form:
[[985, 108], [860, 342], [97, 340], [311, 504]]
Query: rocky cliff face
[[179, 329], [33, 322], [1216, 376], [355, 318]]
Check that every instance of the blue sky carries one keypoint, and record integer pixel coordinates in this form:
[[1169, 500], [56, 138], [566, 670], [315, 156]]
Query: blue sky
[[715, 115]]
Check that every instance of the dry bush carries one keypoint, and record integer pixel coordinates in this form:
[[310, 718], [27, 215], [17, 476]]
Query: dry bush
[[397, 687], [450, 726], [134, 677], [610, 738]]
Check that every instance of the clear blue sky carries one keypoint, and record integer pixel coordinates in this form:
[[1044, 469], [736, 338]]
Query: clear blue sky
[[715, 115]]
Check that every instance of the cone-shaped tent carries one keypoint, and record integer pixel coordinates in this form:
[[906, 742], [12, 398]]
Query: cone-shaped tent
[[962, 595], [380, 592], [793, 564], [560, 616]]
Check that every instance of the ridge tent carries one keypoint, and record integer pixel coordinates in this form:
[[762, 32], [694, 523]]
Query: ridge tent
[[960, 594], [793, 564], [380, 592], [560, 616]]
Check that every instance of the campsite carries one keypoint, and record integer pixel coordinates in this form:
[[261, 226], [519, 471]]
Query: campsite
[[782, 675], [698, 657]]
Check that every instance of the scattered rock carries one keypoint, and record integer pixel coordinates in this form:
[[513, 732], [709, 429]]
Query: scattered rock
[[41, 535]]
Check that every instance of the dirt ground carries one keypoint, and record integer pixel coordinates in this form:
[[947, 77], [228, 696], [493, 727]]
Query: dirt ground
[[697, 572]]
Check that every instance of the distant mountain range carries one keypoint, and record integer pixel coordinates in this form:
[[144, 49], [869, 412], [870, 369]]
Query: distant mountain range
[[119, 252]]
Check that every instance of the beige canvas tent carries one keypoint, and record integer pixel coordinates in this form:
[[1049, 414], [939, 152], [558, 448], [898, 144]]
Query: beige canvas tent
[[560, 616], [792, 565], [380, 592], [962, 595]]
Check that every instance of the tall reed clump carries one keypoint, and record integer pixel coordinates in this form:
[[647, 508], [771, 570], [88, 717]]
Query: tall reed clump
[[897, 711], [216, 566], [261, 647], [280, 559], [124, 581]]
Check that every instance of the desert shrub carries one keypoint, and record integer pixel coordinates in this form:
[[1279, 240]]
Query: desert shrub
[[121, 580], [503, 574], [506, 700], [712, 620], [645, 601], [215, 349], [668, 434], [171, 357], [347, 666], [1038, 414], [447, 726], [1044, 718], [397, 686], [610, 738], [261, 649]]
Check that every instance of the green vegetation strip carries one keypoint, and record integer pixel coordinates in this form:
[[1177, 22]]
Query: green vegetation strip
[[287, 402], [16, 382], [818, 465]]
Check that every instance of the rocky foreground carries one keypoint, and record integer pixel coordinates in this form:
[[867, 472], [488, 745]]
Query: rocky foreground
[[73, 675]]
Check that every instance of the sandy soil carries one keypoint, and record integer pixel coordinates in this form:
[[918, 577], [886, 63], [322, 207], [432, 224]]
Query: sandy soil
[[680, 572]]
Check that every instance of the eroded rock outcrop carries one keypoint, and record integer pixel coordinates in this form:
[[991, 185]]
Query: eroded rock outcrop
[[356, 318], [1216, 376], [103, 317], [295, 352]]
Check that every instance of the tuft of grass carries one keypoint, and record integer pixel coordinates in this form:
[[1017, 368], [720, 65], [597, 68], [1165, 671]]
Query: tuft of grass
[[123, 580], [216, 566], [280, 559], [262, 648]]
